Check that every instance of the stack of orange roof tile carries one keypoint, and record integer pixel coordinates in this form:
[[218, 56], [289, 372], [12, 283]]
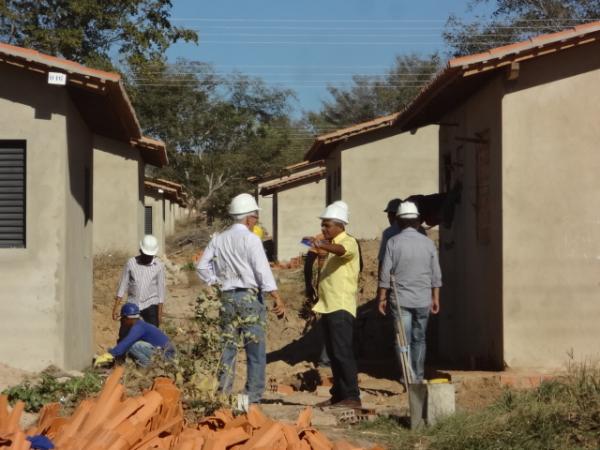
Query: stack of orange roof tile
[[155, 421]]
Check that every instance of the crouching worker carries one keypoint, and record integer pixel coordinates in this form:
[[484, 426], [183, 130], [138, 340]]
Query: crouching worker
[[142, 340]]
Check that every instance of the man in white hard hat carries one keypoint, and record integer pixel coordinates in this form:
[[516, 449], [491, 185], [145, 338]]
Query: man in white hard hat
[[338, 288], [411, 263], [143, 280], [236, 262]]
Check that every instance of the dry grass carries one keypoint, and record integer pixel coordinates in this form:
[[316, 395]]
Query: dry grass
[[560, 414]]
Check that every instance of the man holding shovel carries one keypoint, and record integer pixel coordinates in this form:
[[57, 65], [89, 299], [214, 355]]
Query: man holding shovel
[[411, 263]]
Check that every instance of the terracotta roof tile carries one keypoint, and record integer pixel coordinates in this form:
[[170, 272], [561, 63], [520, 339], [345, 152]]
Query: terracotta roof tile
[[56, 62], [529, 44], [100, 96], [313, 174], [486, 62], [327, 139]]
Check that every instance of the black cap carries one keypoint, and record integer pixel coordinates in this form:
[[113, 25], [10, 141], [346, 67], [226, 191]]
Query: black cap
[[392, 206]]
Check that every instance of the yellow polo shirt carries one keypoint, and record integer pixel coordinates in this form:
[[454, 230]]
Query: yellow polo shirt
[[259, 231], [338, 284]]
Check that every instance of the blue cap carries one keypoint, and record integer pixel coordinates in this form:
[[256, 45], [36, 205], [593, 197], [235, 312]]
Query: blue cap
[[130, 310]]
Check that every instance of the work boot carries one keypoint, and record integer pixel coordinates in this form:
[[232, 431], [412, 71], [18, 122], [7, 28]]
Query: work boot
[[327, 403], [348, 403]]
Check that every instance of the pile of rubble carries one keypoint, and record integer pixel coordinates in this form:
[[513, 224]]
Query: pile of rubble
[[155, 420]]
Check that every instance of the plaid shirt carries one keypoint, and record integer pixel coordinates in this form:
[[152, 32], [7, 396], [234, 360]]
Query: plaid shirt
[[144, 284]]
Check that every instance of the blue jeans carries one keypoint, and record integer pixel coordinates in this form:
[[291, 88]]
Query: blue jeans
[[243, 322], [142, 353], [415, 326]]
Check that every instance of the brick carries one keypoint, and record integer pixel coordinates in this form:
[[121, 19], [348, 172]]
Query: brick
[[239, 421], [304, 418], [285, 389], [12, 423], [326, 381], [323, 391], [225, 415], [291, 435], [523, 381], [226, 438], [255, 417], [317, 440], [267, 436], [343, 445]]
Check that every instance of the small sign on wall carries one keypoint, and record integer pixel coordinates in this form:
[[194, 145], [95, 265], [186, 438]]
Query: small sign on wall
[[57, 78]]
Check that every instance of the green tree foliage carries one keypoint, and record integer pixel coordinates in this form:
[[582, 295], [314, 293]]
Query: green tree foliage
[[373, 96], [219, 130], [87, 31], [515, 20]]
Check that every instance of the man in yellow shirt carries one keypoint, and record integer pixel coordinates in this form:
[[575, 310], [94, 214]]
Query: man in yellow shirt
[[338, 288]]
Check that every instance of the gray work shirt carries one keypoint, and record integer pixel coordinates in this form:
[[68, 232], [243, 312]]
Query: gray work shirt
[[387, 234], [413, 261]]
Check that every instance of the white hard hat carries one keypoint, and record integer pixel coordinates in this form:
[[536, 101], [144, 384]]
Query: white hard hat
[[242, 204], [149, 245], [335, 212], [341, 204], [408, 210]]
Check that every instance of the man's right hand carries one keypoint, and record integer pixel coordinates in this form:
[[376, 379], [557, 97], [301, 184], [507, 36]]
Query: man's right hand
[[382, 306], [115, 311], [279, 308], [103, 359]]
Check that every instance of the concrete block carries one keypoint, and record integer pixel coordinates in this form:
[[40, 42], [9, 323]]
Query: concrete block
[[441, 402], [323, 391], [430, 402]]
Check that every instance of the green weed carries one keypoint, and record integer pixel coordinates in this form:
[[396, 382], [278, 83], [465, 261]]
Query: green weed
[[189, 266], [49, 389]]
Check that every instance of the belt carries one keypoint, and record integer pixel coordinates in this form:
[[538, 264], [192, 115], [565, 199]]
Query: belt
[[241, 290]]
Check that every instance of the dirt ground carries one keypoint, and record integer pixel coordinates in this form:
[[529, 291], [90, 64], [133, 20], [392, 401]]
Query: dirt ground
[[293, 350]]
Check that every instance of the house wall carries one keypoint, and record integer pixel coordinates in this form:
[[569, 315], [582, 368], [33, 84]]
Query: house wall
[[47, 286], [265, 203], [158, 224], [469, 327], [551, 209], [380, 166], [169, 218], [118, 207], [333, 187], [298, 209]]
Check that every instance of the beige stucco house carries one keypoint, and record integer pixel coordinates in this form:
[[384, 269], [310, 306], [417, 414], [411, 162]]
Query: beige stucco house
[[119, 191], [162, 200], [294, 204], [52, 114], [371, 163], [519, 131]]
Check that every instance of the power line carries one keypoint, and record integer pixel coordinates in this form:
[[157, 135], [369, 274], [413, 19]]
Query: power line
[[338, 20], [330, 29], [343, 43]]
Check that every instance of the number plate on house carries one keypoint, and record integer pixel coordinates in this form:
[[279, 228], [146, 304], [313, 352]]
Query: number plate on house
[[57, 78]]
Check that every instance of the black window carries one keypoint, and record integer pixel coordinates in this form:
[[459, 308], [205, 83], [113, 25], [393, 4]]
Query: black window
[[12, 194], [147, 219]]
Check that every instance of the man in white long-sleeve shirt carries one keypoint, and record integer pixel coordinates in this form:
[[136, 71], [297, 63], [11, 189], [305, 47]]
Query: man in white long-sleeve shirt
[[236, 262]]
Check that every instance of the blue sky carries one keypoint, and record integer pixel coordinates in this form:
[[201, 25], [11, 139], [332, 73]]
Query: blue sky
[[304, 45]]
